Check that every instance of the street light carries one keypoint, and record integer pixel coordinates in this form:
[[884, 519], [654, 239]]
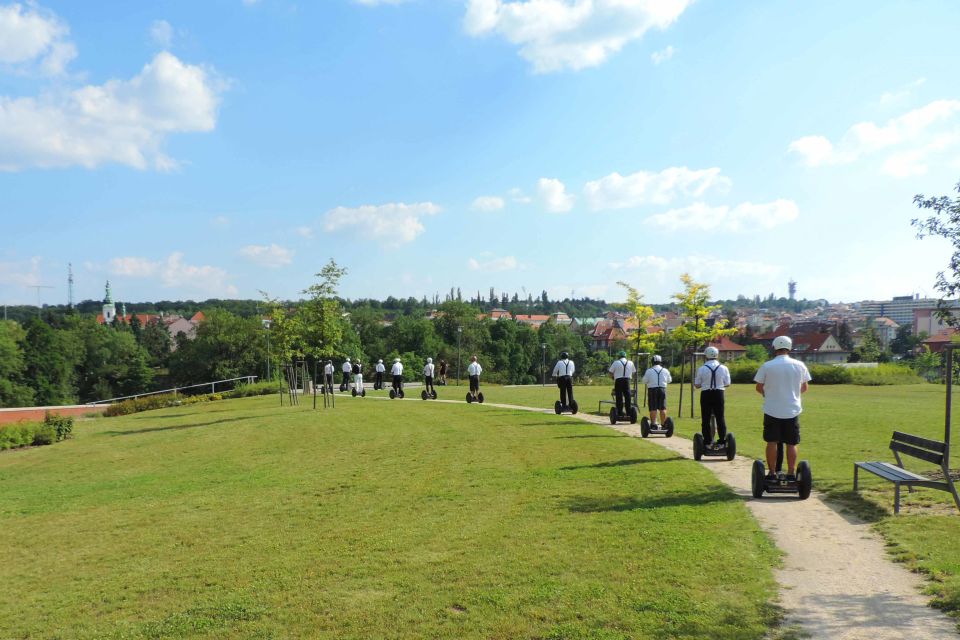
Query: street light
[[543, 364], [266, 325], [459, 332]]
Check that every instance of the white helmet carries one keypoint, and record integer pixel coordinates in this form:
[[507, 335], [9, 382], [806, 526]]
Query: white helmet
[[712, 353], [348, 359], [657, 359], [782, 342], [396, 359], [380, 361], [429, 360]]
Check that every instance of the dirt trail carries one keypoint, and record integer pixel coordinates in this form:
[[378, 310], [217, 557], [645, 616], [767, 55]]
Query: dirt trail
[[837, 581]]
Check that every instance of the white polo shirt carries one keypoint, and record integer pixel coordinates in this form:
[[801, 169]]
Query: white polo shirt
[[782, 378], [474, 369], [657, 376], [380, 367], [622, 368], [428, 370], [564, 368], [397, 369], [328, 369], [707, 381], [347, 367]]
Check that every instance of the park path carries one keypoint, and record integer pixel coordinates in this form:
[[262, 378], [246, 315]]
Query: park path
[[837, 582]]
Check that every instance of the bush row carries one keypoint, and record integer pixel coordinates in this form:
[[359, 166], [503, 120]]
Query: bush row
[[743, 371], [54, 428], [159, 401]]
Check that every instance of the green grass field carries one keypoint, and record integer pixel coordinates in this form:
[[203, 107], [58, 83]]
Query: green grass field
[[840, 425], [376, 520]]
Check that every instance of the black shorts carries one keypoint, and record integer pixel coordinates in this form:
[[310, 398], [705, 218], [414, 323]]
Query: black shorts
[[785, 430], [657, 398]]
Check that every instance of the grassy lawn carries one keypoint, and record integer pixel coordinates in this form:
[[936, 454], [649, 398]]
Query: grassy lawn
[[842, 424], [376, 520]]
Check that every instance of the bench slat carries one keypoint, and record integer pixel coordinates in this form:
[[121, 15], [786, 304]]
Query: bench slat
[[891, 472], [926, 443], [935, 458]]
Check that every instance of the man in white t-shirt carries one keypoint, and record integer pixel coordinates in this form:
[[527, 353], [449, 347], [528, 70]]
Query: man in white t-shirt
[[328, 375], [380, 371], [428, 370], [781, 382], [347, 370], [473, 371], [397, 372], [563, 371], [657, 378], [621, 371], [712, 378]]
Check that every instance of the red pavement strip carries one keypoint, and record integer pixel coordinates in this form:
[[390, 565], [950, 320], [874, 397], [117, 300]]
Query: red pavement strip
[[34, 414]]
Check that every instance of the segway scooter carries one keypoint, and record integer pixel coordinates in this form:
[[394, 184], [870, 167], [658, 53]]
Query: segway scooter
[[362, 393], [428, 395], [801, 485], [471, 398], [396, 393], [573, 407], [726, 448], [648, 428]]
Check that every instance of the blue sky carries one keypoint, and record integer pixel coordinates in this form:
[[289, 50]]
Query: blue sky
[[217, 149]]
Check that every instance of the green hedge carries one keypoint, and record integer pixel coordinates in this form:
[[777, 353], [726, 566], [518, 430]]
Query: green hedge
[[54, 428], [886, 374], [159, 401], [263, 388]]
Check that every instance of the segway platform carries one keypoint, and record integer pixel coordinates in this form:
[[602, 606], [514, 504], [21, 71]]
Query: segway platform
[[396, 393], [648, 428], [727, 448], [630, 417], [800, 486], [362, 394], [428, 395], [471, 399], [573, 407]]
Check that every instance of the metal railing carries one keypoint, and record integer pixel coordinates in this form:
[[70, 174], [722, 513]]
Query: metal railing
[[174, 390]]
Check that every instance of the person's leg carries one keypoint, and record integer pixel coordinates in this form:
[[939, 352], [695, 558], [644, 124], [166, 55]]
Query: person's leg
[[771, 458], [663, 406], [791, 459], [627, 400], [771, 435], [563, 392], [618, 395], [652, 404], [570, 391], [705, 405], [718, 409]]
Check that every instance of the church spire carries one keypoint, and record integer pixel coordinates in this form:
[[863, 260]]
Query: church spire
[[109, 298], [109, 309]]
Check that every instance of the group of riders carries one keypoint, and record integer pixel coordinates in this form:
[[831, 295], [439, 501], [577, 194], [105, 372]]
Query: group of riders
[[780, 381]]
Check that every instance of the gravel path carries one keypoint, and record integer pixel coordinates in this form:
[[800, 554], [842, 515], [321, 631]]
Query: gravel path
[[837, 581]]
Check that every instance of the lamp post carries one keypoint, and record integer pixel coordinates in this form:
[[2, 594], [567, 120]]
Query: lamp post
[[266, 325], [543, 363], [459, 332]]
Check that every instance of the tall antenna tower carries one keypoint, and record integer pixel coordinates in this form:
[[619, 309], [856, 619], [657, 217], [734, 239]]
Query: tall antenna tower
[[792, 289], [70, 284]]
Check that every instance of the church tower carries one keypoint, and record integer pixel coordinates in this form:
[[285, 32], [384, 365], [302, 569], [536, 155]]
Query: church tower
[[109, 310]]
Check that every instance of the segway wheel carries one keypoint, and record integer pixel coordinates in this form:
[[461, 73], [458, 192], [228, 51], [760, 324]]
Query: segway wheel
[[644, 426], [423, 395], [557, 407], [804, 479], [731, 446], [363, 394], [433, 394], [400, 394], [480, 397], [393, 394], [613, 415], [697, 446], [633, 415], [668, 425], [353, 392], [469, 398], [574, 407], [757, 479]]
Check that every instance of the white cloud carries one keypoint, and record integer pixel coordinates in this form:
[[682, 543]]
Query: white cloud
[[175, 274], [554, 195], [161, 32], [393, 224], [33, 38], [699, 267], [889, 97], [517, 195], [23, 274], [562, 291], [912, 138], [658, 57], [744, 217], [305, 232], [120, 121], [645, 187], [374, 3], [572, 34], [271, 256], [487, 203], [493, 265]]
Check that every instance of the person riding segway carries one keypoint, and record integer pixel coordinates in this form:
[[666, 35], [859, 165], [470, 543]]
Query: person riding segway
[[712, 378], [397, 372], [358, 389], [442, 373], [563, 371], [328, 376], [347, 369], [378, 380], [622, 371], [473, 371], [428, 391], [782, 381], [656, 378]]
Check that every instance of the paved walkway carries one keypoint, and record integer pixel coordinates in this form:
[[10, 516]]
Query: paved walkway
[[837, 580]]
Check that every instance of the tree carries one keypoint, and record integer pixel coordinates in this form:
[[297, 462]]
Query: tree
[[156, 341], [226, 346], [944, 223], [643, 313], [321, 317], [694, 308], [870, 349], [51, 358], [13, 391], [756, 352], [844, 337]]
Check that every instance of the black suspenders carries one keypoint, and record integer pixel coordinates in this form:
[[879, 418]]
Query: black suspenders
[[713, 376]]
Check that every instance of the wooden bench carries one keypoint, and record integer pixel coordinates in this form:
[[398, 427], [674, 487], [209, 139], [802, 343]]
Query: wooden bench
[[932, 451]]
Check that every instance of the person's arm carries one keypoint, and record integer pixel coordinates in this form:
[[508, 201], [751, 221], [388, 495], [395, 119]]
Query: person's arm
[[696, 380], [804, 387], [760, 389]]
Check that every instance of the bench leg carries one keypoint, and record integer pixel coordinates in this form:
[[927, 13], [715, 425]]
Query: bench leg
[[856, 471], [896, 498], [953, 490]]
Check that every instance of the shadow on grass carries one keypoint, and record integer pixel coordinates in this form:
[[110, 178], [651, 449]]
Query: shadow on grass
[[606, 504], [618, 463], [177, 427]]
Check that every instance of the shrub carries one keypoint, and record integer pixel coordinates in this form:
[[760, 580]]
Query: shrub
[[829, 374], [43, 434], [146, 403], [25, 434], [61, 425], [263, 388], [884, 374]]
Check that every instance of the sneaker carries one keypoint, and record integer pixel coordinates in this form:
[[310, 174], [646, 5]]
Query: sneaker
[[771, 477], [790, 477], [720, 444]]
